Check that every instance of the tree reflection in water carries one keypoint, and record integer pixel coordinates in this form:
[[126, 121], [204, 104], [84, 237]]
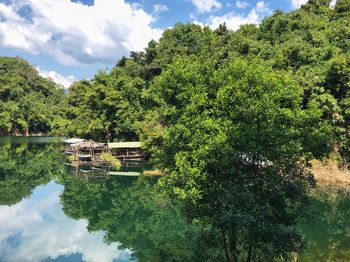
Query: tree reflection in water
[[25, 166], [132, 212]]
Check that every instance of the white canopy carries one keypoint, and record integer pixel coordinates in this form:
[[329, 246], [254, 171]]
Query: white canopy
[[74, 140]]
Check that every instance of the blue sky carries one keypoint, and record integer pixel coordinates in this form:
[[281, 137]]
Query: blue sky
[[69, 40]]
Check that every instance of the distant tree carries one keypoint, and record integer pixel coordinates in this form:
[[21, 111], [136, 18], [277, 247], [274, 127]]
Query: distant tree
[[29, 103], [105, 108], [342, 7]]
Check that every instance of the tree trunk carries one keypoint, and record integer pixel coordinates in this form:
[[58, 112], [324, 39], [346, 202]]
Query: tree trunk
[[232, 248], [250, 250], [225, 245], [13, 130], [108, 135], [229, 247]]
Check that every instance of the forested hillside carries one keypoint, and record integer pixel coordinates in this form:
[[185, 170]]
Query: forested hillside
[[28, 102], [310, 45]]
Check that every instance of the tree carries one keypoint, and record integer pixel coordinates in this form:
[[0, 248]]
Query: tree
[[105, 108], [233, 144], [342, 7], [28, 102]]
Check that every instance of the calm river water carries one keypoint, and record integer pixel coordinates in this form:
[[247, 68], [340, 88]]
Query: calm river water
[[51, 213]]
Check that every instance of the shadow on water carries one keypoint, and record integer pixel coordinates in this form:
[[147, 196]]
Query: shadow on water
[[131, 212]]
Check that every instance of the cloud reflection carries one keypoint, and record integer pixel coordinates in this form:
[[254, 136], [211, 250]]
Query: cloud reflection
[[40, 230]]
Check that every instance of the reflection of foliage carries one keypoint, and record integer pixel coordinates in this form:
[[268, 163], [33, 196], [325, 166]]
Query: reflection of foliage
[[131, 212], [73, 157], [328, 235], [25, 166], [110, 158]]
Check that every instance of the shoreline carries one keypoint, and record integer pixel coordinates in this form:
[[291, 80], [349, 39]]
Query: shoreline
[[25, 135], [327, 173]]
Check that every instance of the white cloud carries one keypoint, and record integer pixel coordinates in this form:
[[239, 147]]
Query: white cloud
[[262, 7], [160, 8], [205, 6], [157, 10], [297, 3], [199, 23], [192, 16], [65, 81], [45, 231], [234, 21], [74, 33], [242, 4], [136, 5]]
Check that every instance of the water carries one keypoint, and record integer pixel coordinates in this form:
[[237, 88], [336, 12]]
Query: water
[[49, 213], [328, 231]]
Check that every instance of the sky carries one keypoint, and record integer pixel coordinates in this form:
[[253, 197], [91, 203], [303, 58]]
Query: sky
[[68, 40]]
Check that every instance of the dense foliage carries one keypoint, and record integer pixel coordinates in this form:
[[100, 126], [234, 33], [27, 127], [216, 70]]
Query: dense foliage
[[28, 102], [233, 150], [106, 107], [311, 45]]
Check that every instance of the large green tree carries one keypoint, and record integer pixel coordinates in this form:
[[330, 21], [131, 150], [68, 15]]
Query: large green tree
[[235, 142]]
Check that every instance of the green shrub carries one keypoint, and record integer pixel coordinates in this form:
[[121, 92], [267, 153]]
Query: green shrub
[[110, 158]]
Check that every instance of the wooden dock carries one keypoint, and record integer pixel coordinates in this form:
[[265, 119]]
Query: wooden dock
[[126, 150]]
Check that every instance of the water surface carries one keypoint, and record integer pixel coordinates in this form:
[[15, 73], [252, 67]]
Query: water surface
[[49, 212]]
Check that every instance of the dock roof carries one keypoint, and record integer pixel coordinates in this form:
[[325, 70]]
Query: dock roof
[[88, 144], [73, 140], [124, 145]]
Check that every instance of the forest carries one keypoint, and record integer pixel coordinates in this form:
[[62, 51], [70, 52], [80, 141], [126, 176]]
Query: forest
[[28, 102], [233, 117]]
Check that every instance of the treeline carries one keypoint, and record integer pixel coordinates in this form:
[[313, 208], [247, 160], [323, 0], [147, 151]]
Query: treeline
[[28, 102], [311, 45]]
